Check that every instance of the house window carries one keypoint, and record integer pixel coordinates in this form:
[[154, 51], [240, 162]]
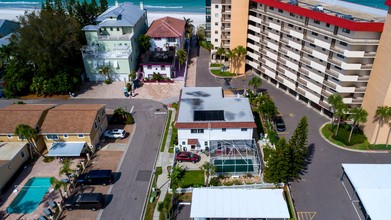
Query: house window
[[98, 119], [223, 129], [95, 125], [162, 67], [290, 25], [117, 28], [344, 30], [149, 67], [243, 129], [66, 136], [216, 32], [80, 135], [52, 136], [171, 39], [111, 29], [195, 131], [158, 38], [216, 23], [216, 40], [340, 56], [206, 144], [216, 6], [103, 112], [101, 130], [183, 142], [22, 154], [200, 130], [9, 135]]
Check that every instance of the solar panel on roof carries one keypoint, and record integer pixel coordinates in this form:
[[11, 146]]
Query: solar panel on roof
[[209, 115]]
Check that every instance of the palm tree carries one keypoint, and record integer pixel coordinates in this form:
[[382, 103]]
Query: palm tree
[[105, 70], [182, 56], [255, 82], [220, 52], [240, 52], [145, 42], [24, 131], [231, 55], [336, 102], [209, 170], [58, 185], [177, 173], [121, 114], [382, 114], [66, 169], [188, 27], [357, 115]]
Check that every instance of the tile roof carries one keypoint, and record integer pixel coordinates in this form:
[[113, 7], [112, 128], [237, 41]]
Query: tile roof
[[167, 27], [71, 119], [13, 115]]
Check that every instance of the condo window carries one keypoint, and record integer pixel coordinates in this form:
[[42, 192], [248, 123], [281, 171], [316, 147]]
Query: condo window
[[289, 36], [223, 129], [243, 129], [95, 125], [196, 131], [338, 68], [343, 43], [99, 119], [103, 112], [326, 38], [270, 18], [314, 33], [216, 40], [206, 143], [52, 136], [291, 14], [316, 22], [327, 25], [216, 23], [346, 30], [340, 56], [290, 25], [280, 10], [216, 6], [183, 142], [216, 32], [271, 8]]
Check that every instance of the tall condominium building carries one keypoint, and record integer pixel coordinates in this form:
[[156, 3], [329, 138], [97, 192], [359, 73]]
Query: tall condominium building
[[309, 48]]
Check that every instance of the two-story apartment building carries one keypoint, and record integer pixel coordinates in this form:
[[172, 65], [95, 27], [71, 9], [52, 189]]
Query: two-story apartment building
[[167, 34], [72, 129], [205, 115], [113, 42], [14, 151]]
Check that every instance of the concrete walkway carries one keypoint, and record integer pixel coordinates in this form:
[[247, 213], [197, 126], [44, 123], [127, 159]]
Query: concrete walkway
[[165, 159]]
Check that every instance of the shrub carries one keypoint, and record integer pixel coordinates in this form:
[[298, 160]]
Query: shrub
[[48, 159], [215, 181], [128, 87], [108, 81], [273, 137], [129, 119], [157, 77], [175, 105], [358, 136]]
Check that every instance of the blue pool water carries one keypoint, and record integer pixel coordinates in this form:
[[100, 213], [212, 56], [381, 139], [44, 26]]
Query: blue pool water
[[30, 195]]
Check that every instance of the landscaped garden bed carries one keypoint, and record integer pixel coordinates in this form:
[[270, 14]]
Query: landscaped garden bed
[[218, 72]]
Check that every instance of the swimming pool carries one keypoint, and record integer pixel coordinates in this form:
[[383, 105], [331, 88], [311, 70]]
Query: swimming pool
[[30, 195]]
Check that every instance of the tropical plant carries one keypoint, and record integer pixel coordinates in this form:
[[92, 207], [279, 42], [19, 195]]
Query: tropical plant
[[220, 52], [106, 71], [59, 185], [182, 56], [201, 33], [176, 174], [338, 108], [382, 114], [188, 27], [231, 55], [66, 169], [357, 115], [255, 82], [209, 169], [26, 132], [145, 42], [132, 76], [240, 53]]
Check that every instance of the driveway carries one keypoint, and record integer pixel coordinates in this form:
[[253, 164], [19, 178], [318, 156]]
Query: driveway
[[320, 191]]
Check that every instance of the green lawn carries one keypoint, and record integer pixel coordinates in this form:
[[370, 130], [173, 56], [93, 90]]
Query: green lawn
[[166, 131], [328, 134], [192, 178], [216, 65], [219, 73], [151, 206]]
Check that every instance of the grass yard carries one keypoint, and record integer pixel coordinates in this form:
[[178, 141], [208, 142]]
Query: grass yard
[[151, 206], [328, 134], [225, 73], [216, 65], [192, 178], [166, 131]]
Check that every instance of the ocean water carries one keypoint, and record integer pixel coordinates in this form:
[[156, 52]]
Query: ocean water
[[194, 6]]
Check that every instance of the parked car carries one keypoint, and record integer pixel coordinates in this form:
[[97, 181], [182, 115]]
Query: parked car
[[280, 124], [93, 201], [96, 177], [115, 133], [187, 157]]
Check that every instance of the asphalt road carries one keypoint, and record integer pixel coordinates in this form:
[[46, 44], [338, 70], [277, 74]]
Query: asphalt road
[[320, 191], [130, 191]]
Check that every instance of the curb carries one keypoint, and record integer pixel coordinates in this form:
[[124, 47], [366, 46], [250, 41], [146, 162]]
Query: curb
[[348, 149]]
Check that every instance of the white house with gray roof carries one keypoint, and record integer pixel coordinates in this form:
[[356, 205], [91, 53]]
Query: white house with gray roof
[[205, 115], [113, 41]]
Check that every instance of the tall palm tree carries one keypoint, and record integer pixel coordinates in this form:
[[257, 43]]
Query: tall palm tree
[[382, 114], [67, 170], [58, 185], [188, 27], [357, 115], [240, 52], [220, 52], [255, 82], [231, 55], [176, 174], [26, 132], [182, 56], [336, 102], [209, 170], [105, 70]]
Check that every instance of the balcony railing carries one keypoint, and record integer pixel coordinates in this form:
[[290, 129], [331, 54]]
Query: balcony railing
[[115, 37]]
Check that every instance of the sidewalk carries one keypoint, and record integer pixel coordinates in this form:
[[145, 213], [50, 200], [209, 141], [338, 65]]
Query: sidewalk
[[165, 159]]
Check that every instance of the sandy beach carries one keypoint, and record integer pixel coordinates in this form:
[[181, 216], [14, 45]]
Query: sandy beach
[[11, 14]]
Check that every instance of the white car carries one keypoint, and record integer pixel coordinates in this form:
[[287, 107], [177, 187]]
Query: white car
[[115, 133]]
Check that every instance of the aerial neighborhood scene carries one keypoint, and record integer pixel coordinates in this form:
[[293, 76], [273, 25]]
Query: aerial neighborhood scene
[[203, 109]]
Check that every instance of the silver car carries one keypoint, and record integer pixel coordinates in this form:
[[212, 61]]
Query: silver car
[[115, 133]]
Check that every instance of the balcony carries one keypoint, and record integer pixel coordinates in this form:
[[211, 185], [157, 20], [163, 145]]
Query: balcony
[[107, 37], [96, 51]]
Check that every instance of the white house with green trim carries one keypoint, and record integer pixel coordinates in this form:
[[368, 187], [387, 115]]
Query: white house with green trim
[[113, 41]]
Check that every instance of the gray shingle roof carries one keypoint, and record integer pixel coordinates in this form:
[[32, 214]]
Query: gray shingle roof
[[7, 27], [126, 14]]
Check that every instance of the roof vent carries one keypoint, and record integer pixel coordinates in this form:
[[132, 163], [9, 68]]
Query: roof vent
[[318, 8], [293, 2], [116, 3]]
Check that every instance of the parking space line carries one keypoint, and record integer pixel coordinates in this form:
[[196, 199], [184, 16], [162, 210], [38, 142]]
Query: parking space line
[[355, 209], [347, 192], [306, 215]]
